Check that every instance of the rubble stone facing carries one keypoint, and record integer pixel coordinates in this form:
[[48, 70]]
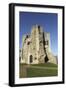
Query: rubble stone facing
[[36, 47]]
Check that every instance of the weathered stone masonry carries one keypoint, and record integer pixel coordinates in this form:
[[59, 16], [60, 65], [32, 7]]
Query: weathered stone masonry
[[36, 47]]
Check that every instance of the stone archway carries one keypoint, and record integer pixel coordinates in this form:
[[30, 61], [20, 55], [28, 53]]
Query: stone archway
[[46, 59], [31, 58]]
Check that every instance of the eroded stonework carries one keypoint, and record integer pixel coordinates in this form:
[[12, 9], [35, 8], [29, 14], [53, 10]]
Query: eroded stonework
[[36, 47]]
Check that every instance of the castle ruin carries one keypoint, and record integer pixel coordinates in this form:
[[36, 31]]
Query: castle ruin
[[36, 47]]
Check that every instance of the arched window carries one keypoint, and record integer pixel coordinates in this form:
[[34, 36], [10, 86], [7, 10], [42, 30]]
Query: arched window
[[28, 43]]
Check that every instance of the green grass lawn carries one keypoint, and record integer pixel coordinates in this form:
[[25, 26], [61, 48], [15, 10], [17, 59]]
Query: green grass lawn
[[45, 65], [31, 72], [38, 72]]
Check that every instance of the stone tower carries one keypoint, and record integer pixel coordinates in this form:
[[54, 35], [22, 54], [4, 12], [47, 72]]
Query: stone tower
[[37, 47]]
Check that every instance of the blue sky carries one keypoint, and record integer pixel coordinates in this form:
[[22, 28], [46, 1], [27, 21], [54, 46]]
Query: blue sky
[[47, 20]]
